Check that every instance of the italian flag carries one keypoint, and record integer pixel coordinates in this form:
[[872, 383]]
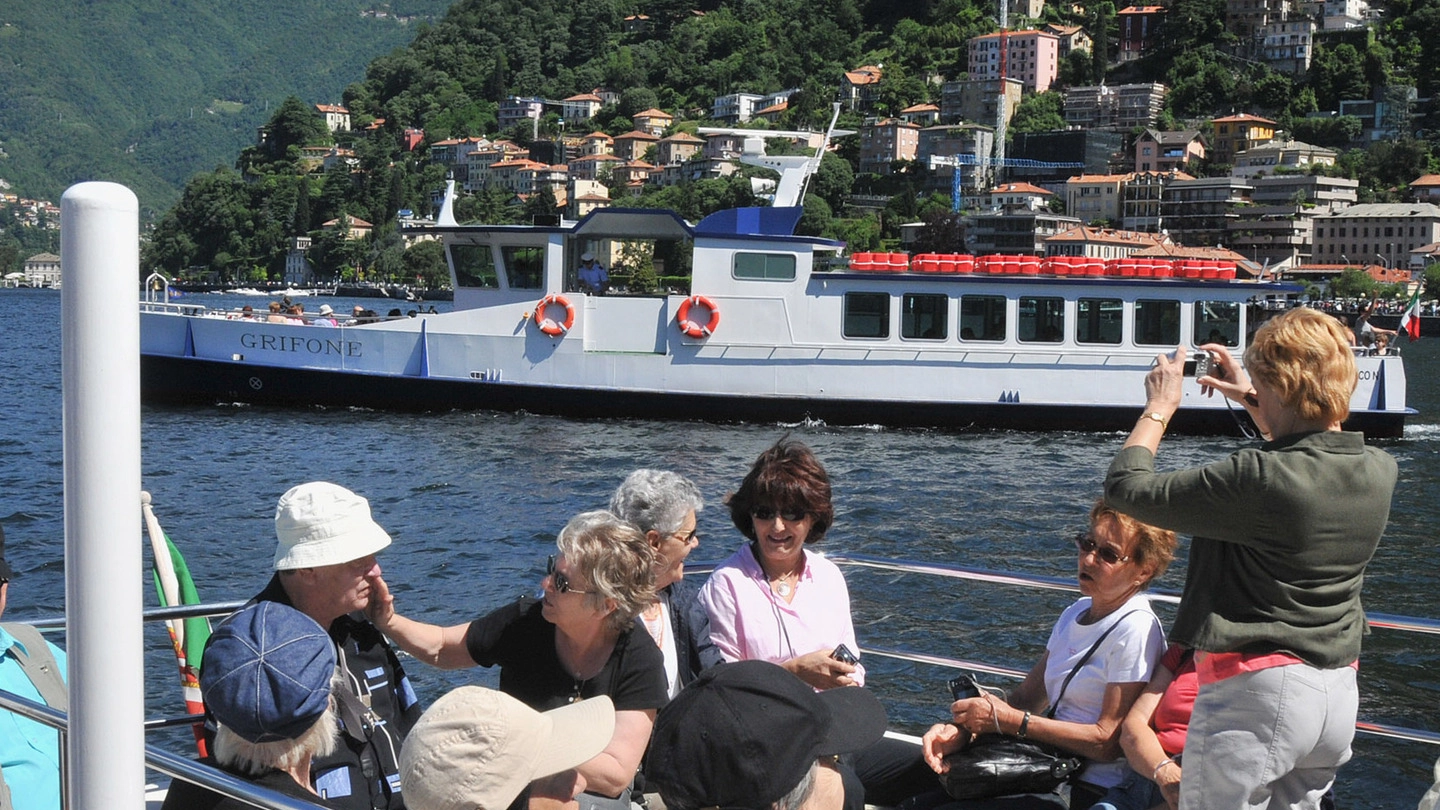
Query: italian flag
[[174, 586], [1410, 321]]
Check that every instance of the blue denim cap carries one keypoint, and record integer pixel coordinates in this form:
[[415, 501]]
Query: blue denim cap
[[267, 672]]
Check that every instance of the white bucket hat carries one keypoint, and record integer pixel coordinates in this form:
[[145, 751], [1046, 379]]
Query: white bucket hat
[[326, 310], [478, 748], [320, 523]]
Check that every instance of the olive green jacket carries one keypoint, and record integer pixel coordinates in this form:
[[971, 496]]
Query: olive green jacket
[[1282, 535]]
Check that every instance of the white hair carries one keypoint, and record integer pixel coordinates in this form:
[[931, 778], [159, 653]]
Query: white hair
[[236, 752], [656, 500]]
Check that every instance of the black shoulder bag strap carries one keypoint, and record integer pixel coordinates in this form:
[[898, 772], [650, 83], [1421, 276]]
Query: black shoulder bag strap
[[1055, 704]]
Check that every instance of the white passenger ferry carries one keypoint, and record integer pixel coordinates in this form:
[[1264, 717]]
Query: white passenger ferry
[[773, 327]]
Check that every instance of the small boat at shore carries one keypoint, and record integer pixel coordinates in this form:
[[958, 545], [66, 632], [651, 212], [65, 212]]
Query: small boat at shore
[[768, 326]]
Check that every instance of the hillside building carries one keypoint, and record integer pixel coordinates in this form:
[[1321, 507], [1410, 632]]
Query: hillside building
[[884, 142], [1384, 231], [1236, 133], [1287, 45], [1144, 193], [1069, 38], [976, 101], [1157, 151], [42, 270], [1102, 243], [1120, 107], [1095, 198], [1032, 57], [653, 121], [1138, 28], [337, 118], [580, 108], [860, 87], [1197, 211], [1278, 228], [1268, 158]]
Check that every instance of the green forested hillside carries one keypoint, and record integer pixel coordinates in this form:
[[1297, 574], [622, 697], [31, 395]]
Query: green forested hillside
[[149, 92]]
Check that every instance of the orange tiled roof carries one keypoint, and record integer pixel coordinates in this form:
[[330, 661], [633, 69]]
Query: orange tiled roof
[[1243, 118], [1021, 188]]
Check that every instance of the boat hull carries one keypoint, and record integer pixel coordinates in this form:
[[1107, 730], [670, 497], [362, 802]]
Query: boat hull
[[192, 380]]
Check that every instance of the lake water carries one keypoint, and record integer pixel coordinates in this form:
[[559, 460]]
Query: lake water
[[473, 501]]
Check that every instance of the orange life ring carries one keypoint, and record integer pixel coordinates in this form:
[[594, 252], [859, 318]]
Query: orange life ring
[[691, 328], [550, 326]]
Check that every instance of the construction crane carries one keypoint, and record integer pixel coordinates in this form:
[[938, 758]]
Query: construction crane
[[956, 161]]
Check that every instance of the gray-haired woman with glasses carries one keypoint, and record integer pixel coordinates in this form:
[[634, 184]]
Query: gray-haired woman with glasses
[[664, 505], [578, 641]]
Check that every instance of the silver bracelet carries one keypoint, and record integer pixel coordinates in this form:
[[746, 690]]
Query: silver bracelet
[[1155, 774]]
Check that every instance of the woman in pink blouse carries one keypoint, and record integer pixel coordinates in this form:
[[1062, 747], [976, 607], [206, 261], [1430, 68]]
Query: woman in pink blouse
[[773, 600]]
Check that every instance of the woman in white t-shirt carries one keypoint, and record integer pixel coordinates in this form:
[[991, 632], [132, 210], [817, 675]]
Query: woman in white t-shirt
[[1118, 557]]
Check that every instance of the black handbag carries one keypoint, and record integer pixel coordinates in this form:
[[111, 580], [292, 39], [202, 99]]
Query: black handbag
[[1000, 765], [994, 764]]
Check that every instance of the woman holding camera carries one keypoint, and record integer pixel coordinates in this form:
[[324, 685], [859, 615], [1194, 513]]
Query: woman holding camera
[[1096, 663], [1282, 535]]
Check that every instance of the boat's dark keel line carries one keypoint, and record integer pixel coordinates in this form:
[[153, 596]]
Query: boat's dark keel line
[[197, 381]]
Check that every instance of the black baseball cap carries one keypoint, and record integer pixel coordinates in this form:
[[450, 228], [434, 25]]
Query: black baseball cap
[[743, 734], [5, 572]]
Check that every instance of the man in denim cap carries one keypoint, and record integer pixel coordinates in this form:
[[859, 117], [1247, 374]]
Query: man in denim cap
[[267, 678], [325, 565]]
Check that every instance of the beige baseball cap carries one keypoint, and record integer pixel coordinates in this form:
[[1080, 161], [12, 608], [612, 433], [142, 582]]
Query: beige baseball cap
[[477, 749]]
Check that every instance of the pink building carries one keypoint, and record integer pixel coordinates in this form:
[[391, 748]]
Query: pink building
[[1031, 57]]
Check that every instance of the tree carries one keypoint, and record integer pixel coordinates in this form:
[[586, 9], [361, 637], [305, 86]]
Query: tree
[[294, 123], [1353, 283], [1041, 112]]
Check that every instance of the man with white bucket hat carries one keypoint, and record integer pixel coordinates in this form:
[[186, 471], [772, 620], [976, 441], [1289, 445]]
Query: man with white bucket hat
[[325, 567]]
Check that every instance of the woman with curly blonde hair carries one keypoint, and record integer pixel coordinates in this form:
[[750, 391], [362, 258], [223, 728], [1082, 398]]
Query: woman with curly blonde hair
[[578, 641], [1282, 535]]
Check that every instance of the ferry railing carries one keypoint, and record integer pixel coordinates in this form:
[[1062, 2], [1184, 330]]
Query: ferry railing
[[180, 767], [172, 765], [1385, 621]]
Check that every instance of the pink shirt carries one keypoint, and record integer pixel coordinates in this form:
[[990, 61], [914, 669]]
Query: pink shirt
[[749, 622]]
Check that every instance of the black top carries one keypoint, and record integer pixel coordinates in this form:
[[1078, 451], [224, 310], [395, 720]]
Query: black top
[[522, 643], [184, 795], [364, 771]]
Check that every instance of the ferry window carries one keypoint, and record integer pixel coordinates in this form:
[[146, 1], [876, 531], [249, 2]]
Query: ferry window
[[474, 266], [1098, 320], [924, 316], [1217, 322], [867, 315], [765, 266], [982, 317], [1157, 323], [1042, 320], [524, 267]]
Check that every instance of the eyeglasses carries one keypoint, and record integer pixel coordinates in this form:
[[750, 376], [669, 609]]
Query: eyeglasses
[[562, 582], [689, 537], [1104, 554], [769, 513]]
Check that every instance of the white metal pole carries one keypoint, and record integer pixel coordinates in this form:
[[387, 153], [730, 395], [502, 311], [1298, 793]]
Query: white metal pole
[[100, 368]]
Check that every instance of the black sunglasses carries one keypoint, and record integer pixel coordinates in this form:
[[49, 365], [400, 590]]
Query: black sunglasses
[[562, 582], [769, 513], [1105, 554]]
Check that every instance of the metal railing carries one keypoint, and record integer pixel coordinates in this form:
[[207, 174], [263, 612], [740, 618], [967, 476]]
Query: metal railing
[[1384, 621], [180, 767]]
